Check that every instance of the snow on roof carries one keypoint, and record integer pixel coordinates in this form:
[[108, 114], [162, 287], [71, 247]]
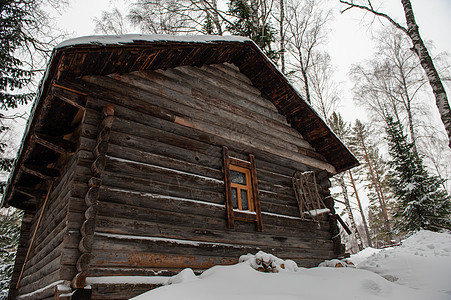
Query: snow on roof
[[134, 38]]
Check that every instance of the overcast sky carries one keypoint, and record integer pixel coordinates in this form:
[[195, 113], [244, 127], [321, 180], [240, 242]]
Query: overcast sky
[[350, 37]]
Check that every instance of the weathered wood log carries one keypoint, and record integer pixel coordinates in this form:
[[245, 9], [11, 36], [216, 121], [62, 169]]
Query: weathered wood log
[[71, 239], [119, 291], [83, 262], [88, 227], [69, 257], [100, 149], [98, 165], [85, 245], [79, 281], [152, 172], [94, 182], [40, 283], [124, 226], [229, 113], [90, 212], [262, 157], [104, 135], [214, 218], [50, 265], [37, 265], [107, 122], [124, 245], [203, 122]]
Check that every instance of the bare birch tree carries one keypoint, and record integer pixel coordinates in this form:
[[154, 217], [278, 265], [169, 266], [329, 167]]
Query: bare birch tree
[[306, 29], [419, 48]]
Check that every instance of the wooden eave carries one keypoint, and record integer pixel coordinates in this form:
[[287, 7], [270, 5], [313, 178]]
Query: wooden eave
[[97, 59]]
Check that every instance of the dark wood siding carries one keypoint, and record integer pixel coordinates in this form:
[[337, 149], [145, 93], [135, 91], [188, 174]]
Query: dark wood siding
[[50, 261], [161, 202]]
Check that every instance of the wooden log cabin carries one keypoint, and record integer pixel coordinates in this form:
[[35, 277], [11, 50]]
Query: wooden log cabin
[[145, 155]]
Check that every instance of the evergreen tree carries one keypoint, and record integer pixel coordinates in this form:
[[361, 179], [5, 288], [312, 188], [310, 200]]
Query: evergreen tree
[[10, 222], [422, 203], [375, 169], [343, 130], [14, 76], [250, 22]]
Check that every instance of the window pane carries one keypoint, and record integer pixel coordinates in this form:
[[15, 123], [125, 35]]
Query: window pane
[[238, 177], [244, 204], [234, 198]]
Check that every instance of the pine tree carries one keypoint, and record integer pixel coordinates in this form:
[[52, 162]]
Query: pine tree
[[10, 222], [250, 22], [374, 169], [342, 130], [422, 203]]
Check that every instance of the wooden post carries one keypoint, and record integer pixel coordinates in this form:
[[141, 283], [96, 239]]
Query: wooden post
[[34, 235], [228, 191]]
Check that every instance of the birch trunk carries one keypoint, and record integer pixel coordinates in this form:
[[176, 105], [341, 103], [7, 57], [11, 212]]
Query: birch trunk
[[426, 62]]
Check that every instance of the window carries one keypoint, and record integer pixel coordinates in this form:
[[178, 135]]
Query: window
[[240, 178]]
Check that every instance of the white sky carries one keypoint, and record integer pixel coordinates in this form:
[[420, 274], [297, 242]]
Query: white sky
[[350, 38]]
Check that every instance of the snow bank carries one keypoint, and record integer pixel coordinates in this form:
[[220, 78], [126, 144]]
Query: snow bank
[[243, 282], [364, 254], [423, 261]]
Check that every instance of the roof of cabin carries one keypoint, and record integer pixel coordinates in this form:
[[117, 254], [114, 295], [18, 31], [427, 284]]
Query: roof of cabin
[[103, 55]]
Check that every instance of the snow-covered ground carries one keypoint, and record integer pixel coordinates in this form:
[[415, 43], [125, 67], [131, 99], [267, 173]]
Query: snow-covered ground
[[419, 269]]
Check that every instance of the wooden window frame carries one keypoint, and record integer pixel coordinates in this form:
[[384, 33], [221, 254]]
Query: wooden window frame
[[249, 169]]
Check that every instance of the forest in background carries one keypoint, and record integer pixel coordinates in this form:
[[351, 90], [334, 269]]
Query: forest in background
[[401, 143]]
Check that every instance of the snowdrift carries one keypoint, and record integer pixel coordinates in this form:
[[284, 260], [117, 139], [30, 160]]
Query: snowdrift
[[419, 269]]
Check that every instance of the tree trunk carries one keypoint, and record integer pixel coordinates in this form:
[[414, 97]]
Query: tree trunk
[[282, 36], [378, 190], [426, 62], [365, 224], [349, 211]]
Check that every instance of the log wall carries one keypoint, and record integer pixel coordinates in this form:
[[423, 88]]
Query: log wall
[[160, 205], [52, 259]]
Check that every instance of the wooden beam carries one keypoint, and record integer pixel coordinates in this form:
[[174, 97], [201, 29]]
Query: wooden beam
[[34, 236], [54, 143], [30, 192], [228, 188], [67, 94], [41, 172]]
